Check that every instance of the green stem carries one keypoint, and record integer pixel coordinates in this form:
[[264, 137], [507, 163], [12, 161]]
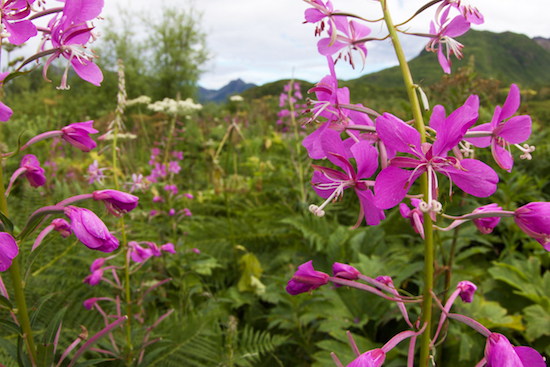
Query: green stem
[[298, 144], [428, 225], [15, 274]]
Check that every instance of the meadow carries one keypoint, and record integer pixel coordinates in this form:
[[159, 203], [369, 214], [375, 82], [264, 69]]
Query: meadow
[[222, 224]]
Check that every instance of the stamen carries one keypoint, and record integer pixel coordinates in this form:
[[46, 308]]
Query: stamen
[[465, 148]]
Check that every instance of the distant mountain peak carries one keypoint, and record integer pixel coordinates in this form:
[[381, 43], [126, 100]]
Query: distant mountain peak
[[233, 87]]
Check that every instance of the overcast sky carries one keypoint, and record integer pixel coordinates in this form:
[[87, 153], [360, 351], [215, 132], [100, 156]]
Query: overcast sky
[[261, 41]]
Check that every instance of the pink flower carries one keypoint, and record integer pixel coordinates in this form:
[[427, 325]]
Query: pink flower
[[351, 37], [187, 212], [90, 230], [196, 250], [174, 167], [157, 199], [8, 250], [172, 188], [467, 290], [5, 112], [372, 358], [345, 271], [444, 36], [34, 173], [305, 279], [188, 195], [59, 224], [171, 212], [95, 173], [139, 254], [77, 134], [534, 220], [97, 272], [117, 202], [20, 30], [486, 225], [500, 352], [168, 247]]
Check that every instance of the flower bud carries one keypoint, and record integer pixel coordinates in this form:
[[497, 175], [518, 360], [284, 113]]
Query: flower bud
[[305, 279], [90, 230], [486, 225], [467, 290], [117, 202], [34, 173], [534, 220], [8, 250], [77, 134], [345, 271]]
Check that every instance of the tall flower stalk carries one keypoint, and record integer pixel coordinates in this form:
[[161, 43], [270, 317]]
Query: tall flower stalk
[[428, 224]]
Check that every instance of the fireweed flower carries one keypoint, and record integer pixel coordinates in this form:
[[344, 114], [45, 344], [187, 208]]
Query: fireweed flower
[[138, 183], [30, 167], [330, 184], [472, 176], [515, 130], [78, 135], [305, 279], [187, 212], [444, 36], [318, 13], [117, 202], [8, 250], [95, 173], [534, 220], [139, 254], [172, 212], [168, 247], [59, 225], [469, 12], [5, 112], [351, 38], [486, 225], [90, 230], [500, 352], [13, 11], [345, 271], [97, 272], [415, 215], [174, 167]]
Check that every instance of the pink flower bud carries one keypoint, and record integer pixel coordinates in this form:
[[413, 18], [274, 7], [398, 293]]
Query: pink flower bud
[[372, 358], [77, 134], [171, 212], [534, 220], [117, 202], [8, 250], [62, 226], [305, 279], [34, 173], [139, 254], [345, 271], [467, 290], [486, 225], [168, 247], [90, 230], [500, 352]]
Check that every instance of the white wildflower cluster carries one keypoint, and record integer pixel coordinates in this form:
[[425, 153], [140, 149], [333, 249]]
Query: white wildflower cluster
[[172, 107], [236, 98], [139, 100]]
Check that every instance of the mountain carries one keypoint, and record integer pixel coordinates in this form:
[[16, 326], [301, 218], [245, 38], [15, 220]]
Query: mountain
[[508, 57], [220, 95]]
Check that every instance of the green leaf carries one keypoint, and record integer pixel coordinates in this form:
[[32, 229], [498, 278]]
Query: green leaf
[[44, 355], [11, 326], [39, 304], [538, 322], [92, 362], [10, 348], [8, 225], [51, 331], [6, 302]]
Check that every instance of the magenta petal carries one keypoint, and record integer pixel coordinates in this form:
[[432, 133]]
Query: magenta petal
[[476, 179], [397, 134], [453, 129], [366, 157], [313, 15], [392, 184], [517, 129], [530, 357], [317, 183], [458, 26], [332, 146], [5, 112], [325, 48], [443, 61], [87, 71], [473, 102], [20, 32], [8, 250], [511, 104], [438, 117], [373, 214], [312, 144], [502, 157]]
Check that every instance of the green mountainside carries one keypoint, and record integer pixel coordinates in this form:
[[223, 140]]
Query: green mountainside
[[508, 57]]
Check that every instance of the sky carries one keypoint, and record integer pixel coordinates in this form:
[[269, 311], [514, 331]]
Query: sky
[[261, 41]]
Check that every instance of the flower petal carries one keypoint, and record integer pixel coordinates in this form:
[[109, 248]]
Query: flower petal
[[392, 184]]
